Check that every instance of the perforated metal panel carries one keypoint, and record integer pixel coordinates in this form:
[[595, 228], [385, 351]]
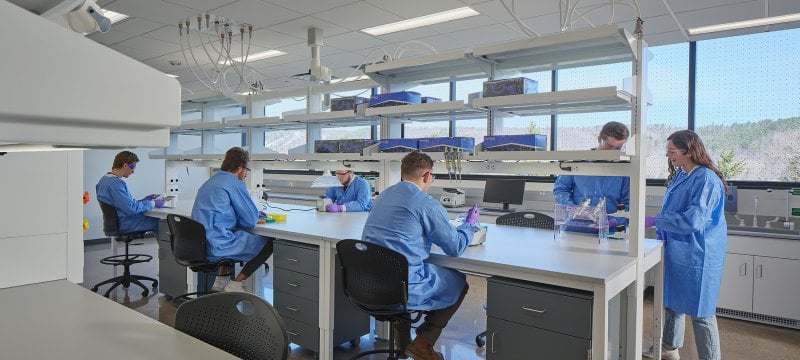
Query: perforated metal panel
[[766, 319]]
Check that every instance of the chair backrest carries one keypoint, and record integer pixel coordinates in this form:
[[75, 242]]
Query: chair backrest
[[529, 219], [374, 277], [239, 323], [110, 219], [188, 239]]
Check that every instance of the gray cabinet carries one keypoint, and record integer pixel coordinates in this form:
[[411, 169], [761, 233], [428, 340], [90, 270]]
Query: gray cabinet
[[296, 297], [171, 275], [536, 321]]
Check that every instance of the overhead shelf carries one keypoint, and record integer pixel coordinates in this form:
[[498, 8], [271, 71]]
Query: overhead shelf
[[451, 110], [333, 118], [598, 45], [256, 122], [428, 68], [563, 155], [562, 102]]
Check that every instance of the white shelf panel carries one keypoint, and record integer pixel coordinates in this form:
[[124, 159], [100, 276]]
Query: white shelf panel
[[599, 45], [432, 111], [569, 101], [564, 155], [321, 116], [187, 157], [310, 157], [428, 67], [256, 122], [201, 126]]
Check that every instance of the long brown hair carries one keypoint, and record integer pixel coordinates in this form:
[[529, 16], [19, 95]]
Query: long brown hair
[[690, 143]]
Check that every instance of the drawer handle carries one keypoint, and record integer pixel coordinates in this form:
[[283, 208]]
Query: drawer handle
[[292, 333], [538, 312], [293, 309], [743, 270], [759, 271], [491, 341], [294, 259], [292, 284]]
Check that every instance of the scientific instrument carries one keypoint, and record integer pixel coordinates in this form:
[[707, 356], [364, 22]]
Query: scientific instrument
[[322, 202], [452, 197]]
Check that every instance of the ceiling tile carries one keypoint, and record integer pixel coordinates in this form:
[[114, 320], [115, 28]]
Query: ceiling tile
[[723, 14], [413, 8], [310, 6], [348, 59], [486, 35], [299, 27], [136, 26], [154, 10], [166, 33], [202, 5], [152, 45], [439, 42], [271, 39], [671, 37], [462, 24], [783, 7], [690, 5], [406, 35], [358, 15], [109, 38], [355, 40], [524, 9], [137, 54], [257, 13]]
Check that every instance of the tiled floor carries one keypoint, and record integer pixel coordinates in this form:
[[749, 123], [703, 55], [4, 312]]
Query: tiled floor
[[740, 339]]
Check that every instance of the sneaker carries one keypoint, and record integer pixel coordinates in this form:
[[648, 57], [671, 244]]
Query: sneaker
[[666, 354], [235, 286], [219, 283], [421, 350]]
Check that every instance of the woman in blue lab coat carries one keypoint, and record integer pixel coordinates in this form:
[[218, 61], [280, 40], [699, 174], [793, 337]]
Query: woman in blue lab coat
[[112, 190], [692, 225], [225, 209], [573, 190], [406, 219], [353, 195]]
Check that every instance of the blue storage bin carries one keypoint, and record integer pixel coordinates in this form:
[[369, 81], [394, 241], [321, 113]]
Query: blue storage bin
[[354, 145], [347, 103], [395, 98], [513, 86], [439, 144], [398, 145], [430, 99], [522, 142], [326, 146]]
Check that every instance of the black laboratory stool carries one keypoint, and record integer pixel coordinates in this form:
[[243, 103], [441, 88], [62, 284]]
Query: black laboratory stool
[[188, 240], [241, 324], [111, 228], [375, 279], [529, 219]]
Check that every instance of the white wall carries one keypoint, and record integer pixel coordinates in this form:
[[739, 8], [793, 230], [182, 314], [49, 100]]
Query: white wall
[[147, 179], [40, 217]]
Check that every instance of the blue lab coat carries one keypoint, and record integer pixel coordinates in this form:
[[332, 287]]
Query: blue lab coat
[[572, 190], [692, 224], [356, 196], [408, 220], [114, 191], [224, 207]]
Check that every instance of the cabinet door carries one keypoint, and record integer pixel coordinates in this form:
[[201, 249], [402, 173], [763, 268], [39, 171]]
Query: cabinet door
[[776, 287], [508, 340], [736, 292]]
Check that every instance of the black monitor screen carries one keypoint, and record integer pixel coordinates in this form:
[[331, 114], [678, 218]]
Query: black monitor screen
[[504, 191]]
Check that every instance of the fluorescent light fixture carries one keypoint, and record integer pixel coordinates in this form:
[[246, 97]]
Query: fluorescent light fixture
[[425, 20], [349, 79], [115, 17], [38, 147], [258, 56], [172, 76], [772, 20]]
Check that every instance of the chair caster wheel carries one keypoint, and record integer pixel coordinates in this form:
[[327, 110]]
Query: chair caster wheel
[[168, 297], [155, 284], [479, 342], [145, 293], [355, 342], [94, 289]]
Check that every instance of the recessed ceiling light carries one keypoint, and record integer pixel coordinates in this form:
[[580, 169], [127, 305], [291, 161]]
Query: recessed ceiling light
[[352, 78], [114, 16], [424, 20], [172, 76], [745, 24], [258, 56]]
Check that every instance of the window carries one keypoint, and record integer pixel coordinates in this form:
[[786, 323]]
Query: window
[[346, 132], [510, 124], [747, 106], [474, 128], [290, 104], [668, 80], [281, 141], [429, 128]]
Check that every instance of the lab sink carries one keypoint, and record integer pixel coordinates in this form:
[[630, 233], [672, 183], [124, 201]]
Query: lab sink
[[762, 230]]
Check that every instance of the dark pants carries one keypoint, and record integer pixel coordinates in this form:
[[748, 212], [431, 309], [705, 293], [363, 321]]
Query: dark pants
[[432, 326], [261, 258]]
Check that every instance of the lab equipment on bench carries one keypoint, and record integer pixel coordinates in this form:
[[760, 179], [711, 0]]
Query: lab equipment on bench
[[583, 218], [479, 231], [322, 203], [452, 197], [504, 191]]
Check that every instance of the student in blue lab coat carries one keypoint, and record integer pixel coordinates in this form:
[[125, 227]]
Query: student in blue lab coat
[[406, 219], [573, 190], [113, 190], [692, 225], [224, 207], [353, 195]]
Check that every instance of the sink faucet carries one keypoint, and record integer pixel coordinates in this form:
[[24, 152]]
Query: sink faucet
[[755, 211]]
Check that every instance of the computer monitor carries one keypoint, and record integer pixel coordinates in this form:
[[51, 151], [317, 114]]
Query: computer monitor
[[504, 191]]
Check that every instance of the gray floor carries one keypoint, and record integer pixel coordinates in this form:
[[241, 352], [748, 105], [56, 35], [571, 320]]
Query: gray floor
[[740, 339]]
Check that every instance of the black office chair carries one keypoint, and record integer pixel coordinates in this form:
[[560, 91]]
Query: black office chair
[[529, 219], [375, 279], [111, 228], [188, 241], [242, 324]]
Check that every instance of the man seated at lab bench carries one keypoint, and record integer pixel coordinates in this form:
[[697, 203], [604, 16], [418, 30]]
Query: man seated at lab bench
[[575, 189], [113, 190], [224, 207], [406, 219], [354, 194]]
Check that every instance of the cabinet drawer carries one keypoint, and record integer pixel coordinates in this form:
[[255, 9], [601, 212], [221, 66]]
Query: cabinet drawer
[[293, 257], [295, 283], [297, 308], [509, 340], [302, 334], [561, 310]]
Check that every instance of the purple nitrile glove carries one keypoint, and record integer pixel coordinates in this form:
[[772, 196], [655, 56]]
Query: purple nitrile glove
[[150, 197], [473, 215], [261, 214], [649, 221], [160, 202], [334, 208], [612, 223]]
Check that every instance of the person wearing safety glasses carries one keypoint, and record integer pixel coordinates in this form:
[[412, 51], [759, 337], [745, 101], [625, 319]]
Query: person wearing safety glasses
[[353, 195], [575, 189], [113, 190]]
